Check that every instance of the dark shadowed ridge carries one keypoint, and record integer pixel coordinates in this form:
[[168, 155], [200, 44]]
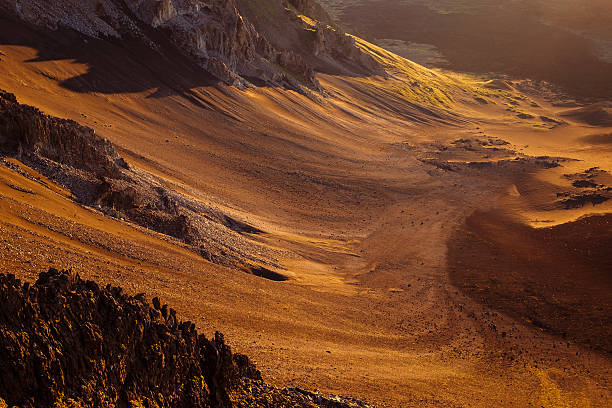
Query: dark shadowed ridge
[[88, 165]]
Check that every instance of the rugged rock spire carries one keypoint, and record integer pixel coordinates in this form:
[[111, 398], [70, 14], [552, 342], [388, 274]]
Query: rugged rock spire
[[66, 342]]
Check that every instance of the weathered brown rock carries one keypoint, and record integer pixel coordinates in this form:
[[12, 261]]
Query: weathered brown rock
[[213, 33], [69, 342], [64, 338], [24, 130], [87, 165]]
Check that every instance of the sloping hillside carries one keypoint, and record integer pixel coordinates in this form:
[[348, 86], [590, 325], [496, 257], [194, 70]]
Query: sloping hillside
[[333, 229]]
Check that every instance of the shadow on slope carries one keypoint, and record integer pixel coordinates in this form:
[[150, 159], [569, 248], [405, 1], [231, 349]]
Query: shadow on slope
[[597, 114], [113, 66], [530, 274]]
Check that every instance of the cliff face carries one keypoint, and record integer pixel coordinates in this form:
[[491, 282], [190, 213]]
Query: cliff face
[[66, 342], [211, 32], [303, 27], [235, 40], [25, 131]]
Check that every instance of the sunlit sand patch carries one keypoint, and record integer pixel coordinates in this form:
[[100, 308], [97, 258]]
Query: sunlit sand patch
[[513, 191], [320, 277]]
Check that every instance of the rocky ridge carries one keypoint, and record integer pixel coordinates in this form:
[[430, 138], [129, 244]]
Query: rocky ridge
[[89, 167], [24, 130], [311, 9], [66, 342], [305, 28], [213, 33]]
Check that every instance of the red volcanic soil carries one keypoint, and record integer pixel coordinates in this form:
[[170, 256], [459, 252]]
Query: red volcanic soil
[[359, 197], [558, 279], [597, 114]]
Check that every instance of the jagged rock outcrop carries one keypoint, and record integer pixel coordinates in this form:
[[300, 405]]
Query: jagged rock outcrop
[[25, 131], [66, 342], [316, 39], [90, 168], [213, 33]]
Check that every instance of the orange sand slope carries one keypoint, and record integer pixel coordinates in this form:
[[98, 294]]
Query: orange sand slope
[[420, 225]]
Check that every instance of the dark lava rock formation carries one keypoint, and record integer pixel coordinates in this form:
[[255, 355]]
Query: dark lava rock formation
[[87, 165], [66, 342], [25, 131]]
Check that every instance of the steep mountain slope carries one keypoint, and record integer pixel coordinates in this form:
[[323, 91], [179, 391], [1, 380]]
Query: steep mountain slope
[[375, 197], [90, 168], [213, 34]]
